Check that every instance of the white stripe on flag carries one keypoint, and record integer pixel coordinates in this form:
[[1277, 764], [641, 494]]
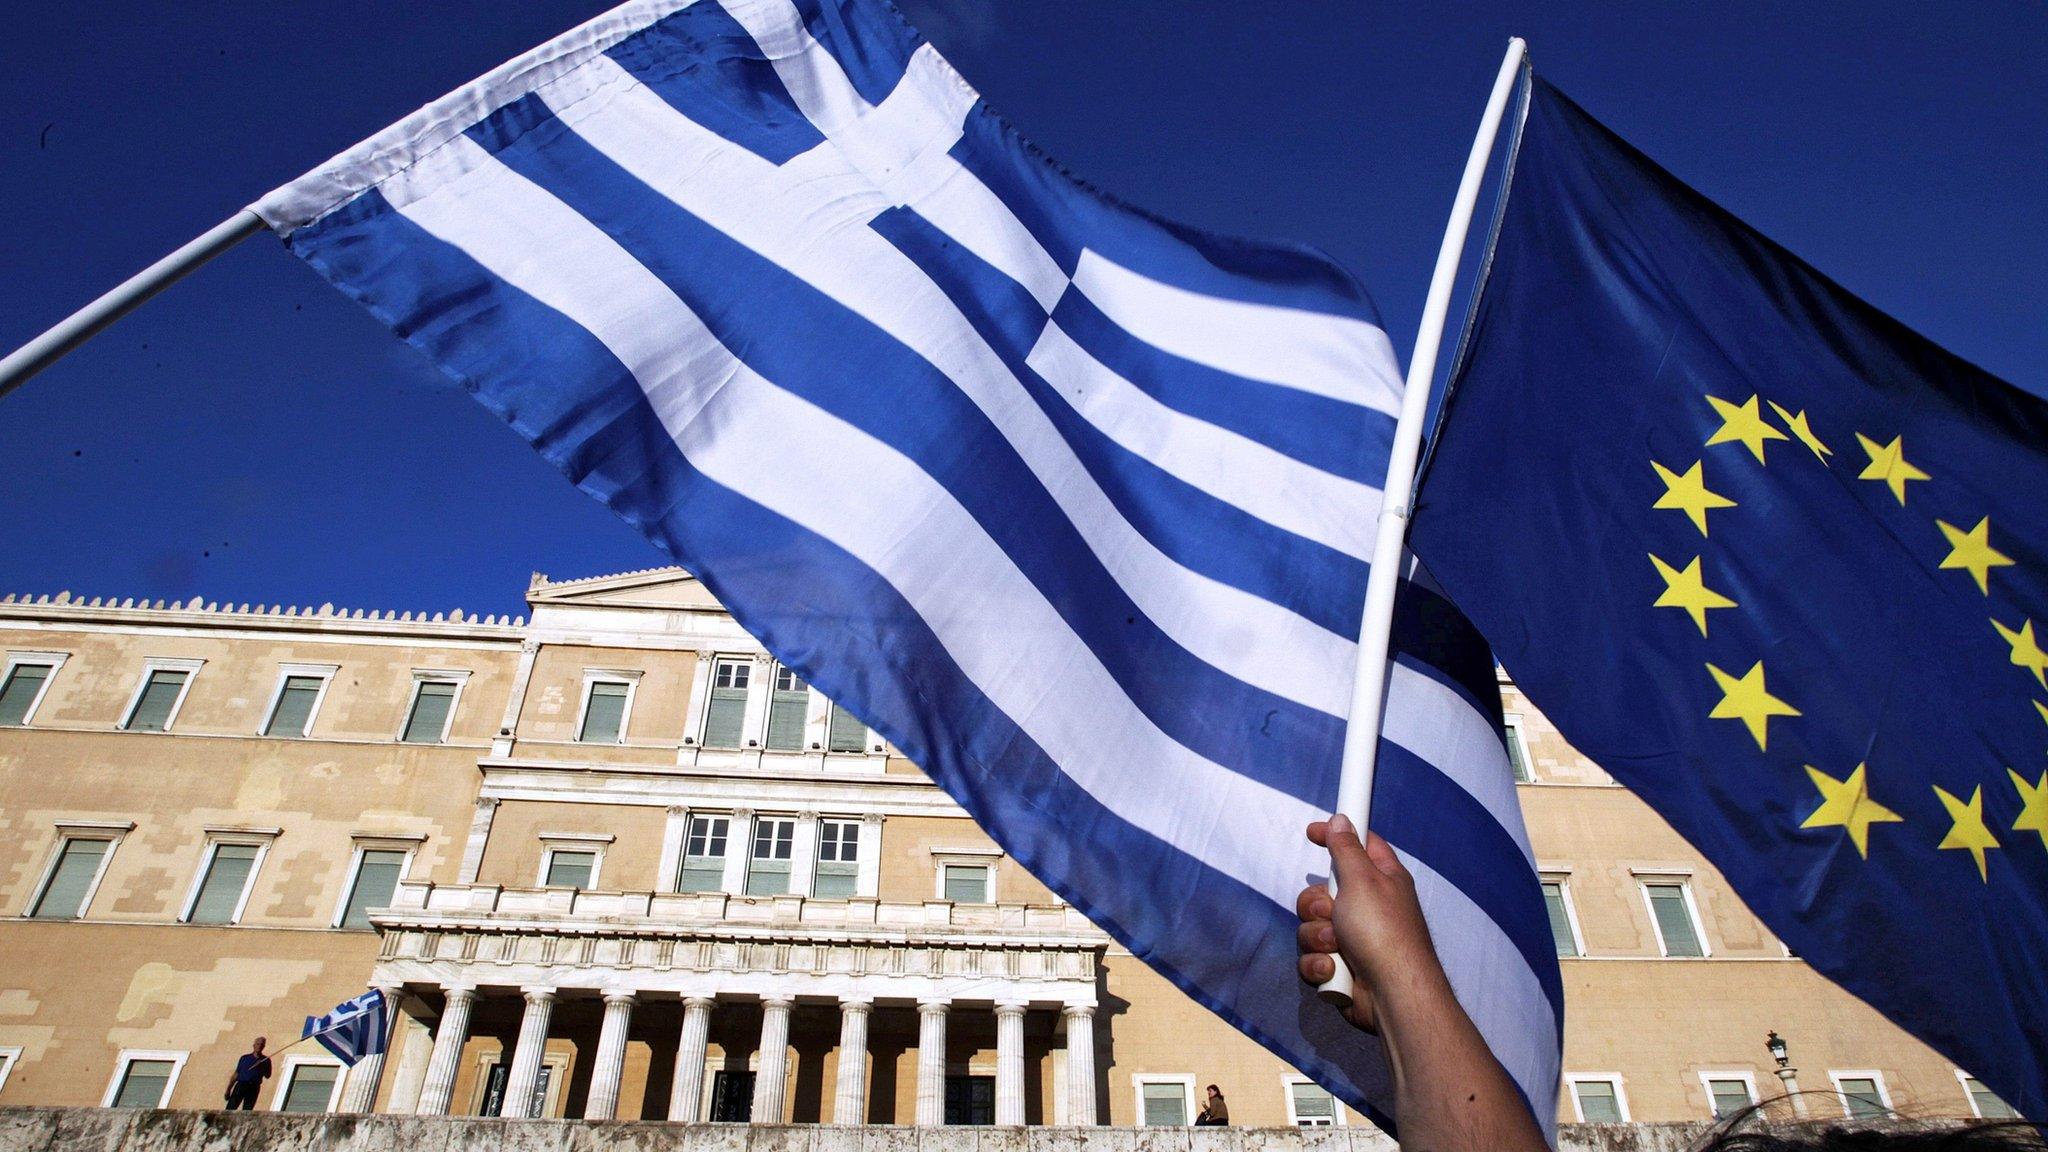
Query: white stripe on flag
[[815, 469], [1332, 356], [1437, 724], [782, 213], [1236, 469]]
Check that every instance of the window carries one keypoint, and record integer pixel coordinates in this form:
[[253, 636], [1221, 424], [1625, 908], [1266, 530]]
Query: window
[[1518, 749], [499, 1074], [768, 866], [143, 1079], [838, 859], [309, 1084], [845, 733], [1862, 1094], [732, 1096], [68, 889], [604, 712], [8, 1056], [378, 871], [433, 705], [787, 707], [156, 703], [298, 697], [1564, 929], [1598, 1099], [970, 1099], [1984, 1103], [1728, 1093], [704, 854], [966, 883], [1165, 1101], [1310, 1106], [224, 882], [725, 715], [1671, 910], [23, 683], [571, 868]]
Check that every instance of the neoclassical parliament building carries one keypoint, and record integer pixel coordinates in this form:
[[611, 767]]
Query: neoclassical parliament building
[[611, 860]]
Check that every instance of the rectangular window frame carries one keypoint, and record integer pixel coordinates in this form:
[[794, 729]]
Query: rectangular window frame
[[1563, 879], [1184, 1080], [68, 830], [1518, 749], [788, 863], [10, 1055], [1707, 1079], [409, 845], [321, 672], [1647, 877], [258, 838], [594, 843], [131, 1055], [1287, 1087], [687, 831], [292, 1065], [1884, 1092], [778, 695], [150, 667], [1572, 1080], [54, 661], [967, 857], [847, 836], [457, 676], [746, 700], [1963, 1078], [592, 677]]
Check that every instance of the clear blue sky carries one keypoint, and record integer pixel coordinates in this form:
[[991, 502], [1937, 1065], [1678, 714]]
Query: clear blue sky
[[253, 436]]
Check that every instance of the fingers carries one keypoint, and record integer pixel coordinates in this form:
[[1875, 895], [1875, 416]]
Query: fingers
[[1347, 855], [1316, 967], [1316, 936], [1314, 903], [1383, 856]]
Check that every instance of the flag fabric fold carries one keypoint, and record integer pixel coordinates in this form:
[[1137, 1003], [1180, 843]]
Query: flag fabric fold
[[1075, 505], [1776, 563], [355, 1029]]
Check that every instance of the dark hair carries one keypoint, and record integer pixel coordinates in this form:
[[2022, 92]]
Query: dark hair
[[1215, 1089], [1751, 1130]]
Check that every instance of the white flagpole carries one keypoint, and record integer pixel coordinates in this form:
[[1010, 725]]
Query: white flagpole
[[81, 325], [1369, 687]]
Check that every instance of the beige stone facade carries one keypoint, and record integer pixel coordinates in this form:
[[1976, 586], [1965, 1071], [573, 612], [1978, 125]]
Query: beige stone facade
[[611, 861]]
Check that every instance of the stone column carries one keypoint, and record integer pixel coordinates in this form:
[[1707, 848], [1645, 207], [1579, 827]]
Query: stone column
[[359, 1092], [686, 1094], [771, 1071], [449, 1036], [850, 1094], [528, 1050], [603, 1102], [479, 837], [1010, 1061], [931, 1062], [1080, 1063]]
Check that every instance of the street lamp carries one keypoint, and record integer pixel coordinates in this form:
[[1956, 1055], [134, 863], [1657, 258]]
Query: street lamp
[[1786, 1073]]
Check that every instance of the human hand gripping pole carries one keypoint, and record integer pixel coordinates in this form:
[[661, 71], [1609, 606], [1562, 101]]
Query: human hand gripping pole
[[1369, 686]]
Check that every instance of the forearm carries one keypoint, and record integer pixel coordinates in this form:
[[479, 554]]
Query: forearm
[[1450, 1093]]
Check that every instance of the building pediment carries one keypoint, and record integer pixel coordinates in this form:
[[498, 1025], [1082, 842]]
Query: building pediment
[[659, 588]]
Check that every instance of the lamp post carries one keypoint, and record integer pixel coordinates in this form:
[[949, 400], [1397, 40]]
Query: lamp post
[[1786, 1073]]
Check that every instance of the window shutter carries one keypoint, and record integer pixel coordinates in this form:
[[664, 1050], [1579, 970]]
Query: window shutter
[[1674, 921], [311, 1088], [20, 691], [847, 733], [153, 711], [64, 897], [967, 884], [294, 706], [144, 1083], [605, 714], [1597, 1102], [1165, 1104], [226, 876], [376, 880], [571, 869], [429, 719], [1560, 922]]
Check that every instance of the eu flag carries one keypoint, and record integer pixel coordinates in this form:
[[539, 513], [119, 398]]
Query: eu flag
[[1776, 563]]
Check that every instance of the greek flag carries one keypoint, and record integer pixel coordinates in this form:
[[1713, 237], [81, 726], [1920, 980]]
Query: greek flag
[[1074, 504], [355, 1029]]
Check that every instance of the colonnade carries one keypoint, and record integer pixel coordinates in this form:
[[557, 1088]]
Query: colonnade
[[771, 1074]]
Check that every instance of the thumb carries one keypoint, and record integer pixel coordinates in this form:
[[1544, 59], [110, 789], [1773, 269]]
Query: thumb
[[1348, 860]]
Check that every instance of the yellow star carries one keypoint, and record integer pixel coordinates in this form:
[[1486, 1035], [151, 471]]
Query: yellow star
[[1804, 431], [1743, 424], [1688, 590], [2043, 710], [1968, 830], [1888, 463], [1689, 493], [1847, 804], [1972, 551], [2033, 805], [1744, 699], [2026, 652]]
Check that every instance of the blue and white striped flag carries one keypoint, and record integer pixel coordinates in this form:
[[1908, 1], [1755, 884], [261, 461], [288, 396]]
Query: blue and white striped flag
[[1073, 504], [355, 1029]]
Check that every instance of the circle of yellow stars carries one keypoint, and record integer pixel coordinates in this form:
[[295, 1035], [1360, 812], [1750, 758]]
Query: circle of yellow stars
[[1845, 803]]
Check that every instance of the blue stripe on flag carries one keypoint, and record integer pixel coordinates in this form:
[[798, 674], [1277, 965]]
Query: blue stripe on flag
[[704, 65], [874, 53], [924, 416]]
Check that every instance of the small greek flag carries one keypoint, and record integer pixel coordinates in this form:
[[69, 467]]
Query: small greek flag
[[355, 1029]]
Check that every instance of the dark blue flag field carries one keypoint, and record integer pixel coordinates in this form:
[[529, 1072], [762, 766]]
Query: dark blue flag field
[[1776, 563]]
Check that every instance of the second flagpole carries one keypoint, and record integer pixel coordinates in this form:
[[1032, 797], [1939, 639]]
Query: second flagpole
[[1369, 686]]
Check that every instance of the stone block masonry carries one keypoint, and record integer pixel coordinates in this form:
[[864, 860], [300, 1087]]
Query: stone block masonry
[[131, 1130]]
